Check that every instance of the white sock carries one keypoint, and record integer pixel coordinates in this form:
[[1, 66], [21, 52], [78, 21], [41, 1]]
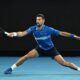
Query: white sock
[[78, 69], [13, 66]]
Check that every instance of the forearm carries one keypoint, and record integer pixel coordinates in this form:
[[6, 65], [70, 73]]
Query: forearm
[[20, 34], [67, 34], [16, 34]]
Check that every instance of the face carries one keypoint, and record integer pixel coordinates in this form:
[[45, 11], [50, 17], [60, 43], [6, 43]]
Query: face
[[39, 21]]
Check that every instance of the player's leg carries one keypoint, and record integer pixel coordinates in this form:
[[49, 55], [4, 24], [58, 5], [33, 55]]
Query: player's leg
[[61, 61], [33, 53]]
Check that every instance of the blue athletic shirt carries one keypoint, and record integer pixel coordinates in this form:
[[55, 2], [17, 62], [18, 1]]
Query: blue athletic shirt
[[43, 36]]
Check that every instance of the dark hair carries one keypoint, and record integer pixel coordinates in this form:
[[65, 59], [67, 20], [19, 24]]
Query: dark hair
[[40, 15]]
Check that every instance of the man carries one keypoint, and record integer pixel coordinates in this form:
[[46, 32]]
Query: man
[[42, 34]]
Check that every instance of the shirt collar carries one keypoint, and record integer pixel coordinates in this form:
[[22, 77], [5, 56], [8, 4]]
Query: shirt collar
[[42, 27]]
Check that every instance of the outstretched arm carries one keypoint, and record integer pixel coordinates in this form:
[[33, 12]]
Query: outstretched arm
[[20, 33], [16, 34], [67, 34]]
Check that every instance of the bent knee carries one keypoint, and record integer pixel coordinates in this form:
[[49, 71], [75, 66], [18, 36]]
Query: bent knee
[[65, 63], [27, 56]]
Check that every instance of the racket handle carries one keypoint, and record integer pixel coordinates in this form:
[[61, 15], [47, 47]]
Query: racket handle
[[6, 33]]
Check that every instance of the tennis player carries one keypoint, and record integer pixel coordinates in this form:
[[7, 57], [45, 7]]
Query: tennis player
[[42, 34]]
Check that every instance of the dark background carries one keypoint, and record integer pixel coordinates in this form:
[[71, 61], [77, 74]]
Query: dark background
[[19, 15]]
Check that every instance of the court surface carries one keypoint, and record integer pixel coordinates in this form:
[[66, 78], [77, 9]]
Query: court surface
[[41, 68]]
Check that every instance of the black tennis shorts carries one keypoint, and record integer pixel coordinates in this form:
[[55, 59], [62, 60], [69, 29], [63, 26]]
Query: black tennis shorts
[[51, 53]]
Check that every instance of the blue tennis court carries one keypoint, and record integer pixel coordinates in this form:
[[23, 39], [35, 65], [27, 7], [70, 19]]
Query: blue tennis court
[[41, 68]]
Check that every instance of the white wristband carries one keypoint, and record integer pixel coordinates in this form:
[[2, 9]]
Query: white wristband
[[14, 34]]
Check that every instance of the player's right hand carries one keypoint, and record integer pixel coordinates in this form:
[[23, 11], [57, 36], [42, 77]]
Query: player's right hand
[[9, 34]]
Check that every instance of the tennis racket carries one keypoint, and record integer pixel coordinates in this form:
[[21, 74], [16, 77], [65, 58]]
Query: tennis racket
[[3, 31]]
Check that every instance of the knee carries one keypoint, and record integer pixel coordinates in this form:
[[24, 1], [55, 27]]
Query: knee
[[27, 56], [64, 63], [24, 58]]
